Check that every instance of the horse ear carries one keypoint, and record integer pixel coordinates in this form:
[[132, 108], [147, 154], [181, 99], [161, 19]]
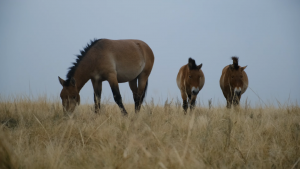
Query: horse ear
[[242, 68], [61, 81], [73, 82], [199, 66]]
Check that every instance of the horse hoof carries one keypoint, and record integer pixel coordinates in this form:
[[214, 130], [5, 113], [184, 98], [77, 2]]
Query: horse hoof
[[125, 113]]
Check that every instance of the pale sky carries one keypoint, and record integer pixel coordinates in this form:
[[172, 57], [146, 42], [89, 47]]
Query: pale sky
[[39, 41]]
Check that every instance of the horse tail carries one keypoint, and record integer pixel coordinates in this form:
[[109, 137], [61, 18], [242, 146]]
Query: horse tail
[[144, 93]]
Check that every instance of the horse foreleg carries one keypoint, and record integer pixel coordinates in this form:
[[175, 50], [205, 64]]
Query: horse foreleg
[[184, 99], [113, 82], [229, 101], [97, 85], [236, 100], [193, 101]]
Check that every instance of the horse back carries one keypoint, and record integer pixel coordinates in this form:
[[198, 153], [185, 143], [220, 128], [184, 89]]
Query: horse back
[[125, 58]]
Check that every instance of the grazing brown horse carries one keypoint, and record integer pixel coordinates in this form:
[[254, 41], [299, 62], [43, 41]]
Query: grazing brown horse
[[116, 61], [233, 82], [190, 80]]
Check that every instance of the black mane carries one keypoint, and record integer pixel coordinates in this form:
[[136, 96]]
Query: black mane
[[192, 64], [83, 52], [235, 62]]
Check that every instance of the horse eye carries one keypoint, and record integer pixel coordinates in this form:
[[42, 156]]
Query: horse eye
[[74, 97], [232, 76], [190, 76]]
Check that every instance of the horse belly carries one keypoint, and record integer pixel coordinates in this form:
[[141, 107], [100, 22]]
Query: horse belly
[[128, 73], [128, 60]]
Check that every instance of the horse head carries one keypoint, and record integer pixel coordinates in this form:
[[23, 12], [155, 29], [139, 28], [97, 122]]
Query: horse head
[[69, 94], [193, 76], [236, 78]]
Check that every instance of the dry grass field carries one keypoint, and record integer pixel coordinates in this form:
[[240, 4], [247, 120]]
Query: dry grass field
[[37, 134]]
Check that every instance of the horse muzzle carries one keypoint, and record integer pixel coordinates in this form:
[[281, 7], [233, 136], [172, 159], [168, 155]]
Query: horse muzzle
[[237, 91], [195, 91]]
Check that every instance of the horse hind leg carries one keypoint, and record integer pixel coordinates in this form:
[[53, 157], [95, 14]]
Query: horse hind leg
[[143, 94], [141, 91], [113, 82], [97, 85], [134, 89]]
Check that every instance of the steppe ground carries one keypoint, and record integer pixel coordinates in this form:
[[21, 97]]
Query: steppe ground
[[37, 134]]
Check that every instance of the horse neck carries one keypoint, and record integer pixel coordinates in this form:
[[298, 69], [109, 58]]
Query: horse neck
[[81, 75]]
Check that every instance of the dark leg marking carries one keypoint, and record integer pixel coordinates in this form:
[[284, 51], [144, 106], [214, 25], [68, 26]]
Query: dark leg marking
[[118, 100], [192, 106], [134, 89], [143, 95], [142, 88], [185, 106], [229, 100], [189, 96], [137, 104]]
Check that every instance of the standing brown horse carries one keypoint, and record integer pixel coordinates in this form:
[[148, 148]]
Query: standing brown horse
[[116, 61], [233, 82], [190, 80]]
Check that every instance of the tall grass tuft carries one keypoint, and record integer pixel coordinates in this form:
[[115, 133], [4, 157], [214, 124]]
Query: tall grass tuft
[[37, 134]]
